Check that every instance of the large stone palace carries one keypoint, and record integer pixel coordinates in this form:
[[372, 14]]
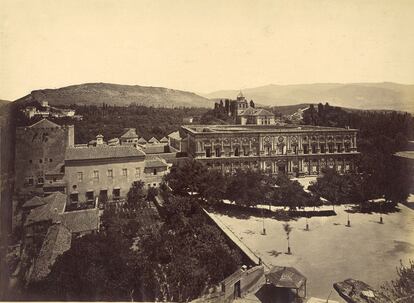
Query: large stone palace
[[293, 149]]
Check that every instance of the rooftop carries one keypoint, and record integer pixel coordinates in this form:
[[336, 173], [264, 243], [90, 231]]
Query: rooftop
[[34, 202], [175, 135], [129, 133], [155, 148], [81, 220], [153, 140], [142, 140], [102, 152], [256, 112], [155, 162], [54, 205], [222, 129], [44, 123], [286, 277]]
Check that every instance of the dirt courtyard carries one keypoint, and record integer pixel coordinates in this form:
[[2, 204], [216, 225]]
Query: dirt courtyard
[[330, 251]]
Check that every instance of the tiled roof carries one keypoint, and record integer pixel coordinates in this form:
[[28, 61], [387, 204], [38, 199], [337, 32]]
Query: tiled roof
[[175, 135], [102, 152], [129, 133], [255, 112], [34, 202], [263, 112], [248, 112], [153, 140], [287, 277], [57, 241], [54, 205], [142, 140], [164, 140], [81, 220], [155, 162], [154, 148], [44, 123]]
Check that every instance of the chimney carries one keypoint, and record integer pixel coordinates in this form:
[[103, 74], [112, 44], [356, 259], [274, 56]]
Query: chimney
[[99, 139]]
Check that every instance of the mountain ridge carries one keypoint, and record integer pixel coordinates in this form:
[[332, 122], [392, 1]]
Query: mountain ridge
[[116, 94], [364, 95]]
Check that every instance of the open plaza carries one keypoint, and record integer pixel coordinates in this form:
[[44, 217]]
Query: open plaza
[[330, 251]]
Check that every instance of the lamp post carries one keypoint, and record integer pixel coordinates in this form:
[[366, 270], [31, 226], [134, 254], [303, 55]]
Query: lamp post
[[307, 225], [264, 230], [381, 222], [349, 222]]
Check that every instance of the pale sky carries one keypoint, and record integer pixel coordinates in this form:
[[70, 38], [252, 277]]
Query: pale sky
[[203, 46]]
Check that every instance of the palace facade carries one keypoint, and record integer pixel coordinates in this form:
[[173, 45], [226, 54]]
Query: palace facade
[[293, 149]]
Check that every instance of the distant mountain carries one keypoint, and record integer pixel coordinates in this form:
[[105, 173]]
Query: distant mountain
[[387, 95], [115, 94]]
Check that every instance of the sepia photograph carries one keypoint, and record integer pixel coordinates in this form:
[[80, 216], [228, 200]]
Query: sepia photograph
[[207, 151]]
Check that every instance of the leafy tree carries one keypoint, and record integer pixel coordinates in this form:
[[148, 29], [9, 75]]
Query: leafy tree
[[289, 193], [186, 178], [247, 187], [402, 288], [332, 186], [94, 269], [194, 177], [181, 260], [136, 196]]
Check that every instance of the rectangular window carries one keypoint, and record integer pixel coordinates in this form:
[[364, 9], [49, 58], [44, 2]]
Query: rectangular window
[[236, 152], [323, 149], [125, 172], [208, 152], [31, 181], [154, 171], [245, 151], [295, 149], [218, 152], [339, 147], [89, 195], [74, 197], [305, 149], [330, 148], [40, 160], [40, 180], [313, 148], [80, 176], [116, 193], [347, 148], [137, 172], [110, 173], [96, 174]]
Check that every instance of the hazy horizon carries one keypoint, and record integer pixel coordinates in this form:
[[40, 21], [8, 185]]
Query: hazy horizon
[[203, 46]]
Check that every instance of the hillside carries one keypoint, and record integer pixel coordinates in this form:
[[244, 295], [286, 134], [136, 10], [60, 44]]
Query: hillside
[[4, 102], [115, 94], [391, 96]]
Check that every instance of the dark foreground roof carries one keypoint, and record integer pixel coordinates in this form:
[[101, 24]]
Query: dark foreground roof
[[80, 221], [53, 207], [102, 152], [34, 202], [286, 277], [56, 242]]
